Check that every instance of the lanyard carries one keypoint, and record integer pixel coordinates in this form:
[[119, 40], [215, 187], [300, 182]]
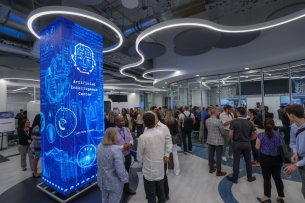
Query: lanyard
[[124, 134]]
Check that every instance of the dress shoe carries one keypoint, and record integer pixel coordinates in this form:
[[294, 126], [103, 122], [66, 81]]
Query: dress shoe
[[230, 178], [266, 201], [280, 200], [130, 191], [221, 173], [34, 176], [212, 171], [251, 179], [166, 198]]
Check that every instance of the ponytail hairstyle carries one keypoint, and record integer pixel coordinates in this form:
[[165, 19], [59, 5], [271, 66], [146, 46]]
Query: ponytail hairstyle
[[269, 125]]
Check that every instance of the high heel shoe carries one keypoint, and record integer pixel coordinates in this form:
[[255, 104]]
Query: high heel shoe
[[36, 176], [280, 200], [265, 201]]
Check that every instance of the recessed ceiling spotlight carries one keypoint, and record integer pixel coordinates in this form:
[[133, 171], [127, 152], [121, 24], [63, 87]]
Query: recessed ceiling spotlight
[[162, 87], [156, 92], [247, 68], [197, 75], [196, 87]]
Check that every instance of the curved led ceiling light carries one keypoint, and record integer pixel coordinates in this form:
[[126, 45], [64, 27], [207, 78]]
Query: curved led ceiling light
[[206, 24], [26, 79], [155, 70], [49, 10]]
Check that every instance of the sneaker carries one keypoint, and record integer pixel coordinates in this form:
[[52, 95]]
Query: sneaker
[[185, 153], [224, 158], [251, 179], [190, 151], [231, 157]]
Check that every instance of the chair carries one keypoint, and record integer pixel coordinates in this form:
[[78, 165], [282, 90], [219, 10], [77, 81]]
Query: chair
[[134, 155]]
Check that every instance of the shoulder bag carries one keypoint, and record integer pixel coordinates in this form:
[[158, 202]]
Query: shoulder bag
[[284, 151]]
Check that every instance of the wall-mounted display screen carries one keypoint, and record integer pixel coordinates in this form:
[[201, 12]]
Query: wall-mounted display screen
[[72, 99], [118, 98], [250, 88]]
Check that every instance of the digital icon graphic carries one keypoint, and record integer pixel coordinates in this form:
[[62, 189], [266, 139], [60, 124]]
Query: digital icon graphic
[[86, 156], [83, 58], [65, 122], [51, 133]]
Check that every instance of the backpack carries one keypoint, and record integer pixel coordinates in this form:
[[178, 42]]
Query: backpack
[[188, 123]]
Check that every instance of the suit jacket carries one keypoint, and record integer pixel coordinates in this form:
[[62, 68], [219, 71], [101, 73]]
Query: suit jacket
[[216, 131]]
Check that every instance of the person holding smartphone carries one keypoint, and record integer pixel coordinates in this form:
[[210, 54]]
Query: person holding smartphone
[[295, 113]]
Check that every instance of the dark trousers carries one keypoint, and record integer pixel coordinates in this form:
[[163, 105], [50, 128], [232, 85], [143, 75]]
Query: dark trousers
[[241, 148], [189, 140], [212, 149], [165, 182], [286, 131], [272, 165], [127, 166], [153, 189], [255, 152], [139, 129]]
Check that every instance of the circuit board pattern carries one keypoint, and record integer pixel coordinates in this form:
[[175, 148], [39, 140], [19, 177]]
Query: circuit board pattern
[[72, 102]]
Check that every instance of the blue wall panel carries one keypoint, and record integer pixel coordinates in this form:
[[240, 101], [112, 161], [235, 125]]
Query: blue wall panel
[[72, 104]]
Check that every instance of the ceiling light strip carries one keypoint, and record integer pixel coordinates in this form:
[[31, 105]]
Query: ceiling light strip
[[156, 70], [50, 10], [206, 24]]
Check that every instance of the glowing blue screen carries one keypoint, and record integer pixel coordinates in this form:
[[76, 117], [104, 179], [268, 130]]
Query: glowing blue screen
[[72, 104]]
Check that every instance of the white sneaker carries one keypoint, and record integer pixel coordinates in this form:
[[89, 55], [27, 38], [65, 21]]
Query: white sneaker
[[224, 158], [231, 157], [185, 153]]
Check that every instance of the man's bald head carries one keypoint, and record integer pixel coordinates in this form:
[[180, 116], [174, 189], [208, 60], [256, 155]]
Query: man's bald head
[[119, 121]]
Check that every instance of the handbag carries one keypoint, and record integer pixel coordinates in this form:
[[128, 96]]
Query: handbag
[[176, 139], [284, 151]]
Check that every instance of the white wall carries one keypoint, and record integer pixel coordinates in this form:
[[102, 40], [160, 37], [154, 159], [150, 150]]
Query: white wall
[[133, 101], [2, 96], [158, 99]]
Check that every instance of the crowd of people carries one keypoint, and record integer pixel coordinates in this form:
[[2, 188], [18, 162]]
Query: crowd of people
[[159, 132], [242, 131]]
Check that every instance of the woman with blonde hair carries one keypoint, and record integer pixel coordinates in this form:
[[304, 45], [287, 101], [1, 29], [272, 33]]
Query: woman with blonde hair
[[111, 174], [172, 125], [139, 122], [110, 122], [130, 123]]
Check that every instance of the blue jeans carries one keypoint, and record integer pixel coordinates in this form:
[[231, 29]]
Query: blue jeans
[[255, 152]]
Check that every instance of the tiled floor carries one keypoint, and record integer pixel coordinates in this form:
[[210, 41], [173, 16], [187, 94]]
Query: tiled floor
[[193, 185]]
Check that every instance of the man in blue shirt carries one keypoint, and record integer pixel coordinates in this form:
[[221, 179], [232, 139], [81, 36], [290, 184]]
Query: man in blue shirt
[[295, 113]]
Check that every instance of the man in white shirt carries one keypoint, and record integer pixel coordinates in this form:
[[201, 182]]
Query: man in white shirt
[[226, 118], [186, 129], [153, 152]]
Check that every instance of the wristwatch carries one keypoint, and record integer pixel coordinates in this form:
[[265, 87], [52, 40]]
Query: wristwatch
[[297, 164]]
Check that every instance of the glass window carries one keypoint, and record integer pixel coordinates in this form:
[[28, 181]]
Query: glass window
[[228, 90], [183, 93], [194, 92], [276, 91], [174, 95], [250, 90], [211, 86], [297, 86]]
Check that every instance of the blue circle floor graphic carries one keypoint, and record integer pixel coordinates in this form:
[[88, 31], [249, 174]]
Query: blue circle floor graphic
[[225, 186]]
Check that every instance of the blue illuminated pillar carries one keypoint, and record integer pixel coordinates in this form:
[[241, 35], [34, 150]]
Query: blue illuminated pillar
[[72, 104]]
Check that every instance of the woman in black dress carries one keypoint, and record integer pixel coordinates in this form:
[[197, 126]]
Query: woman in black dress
[[24, 134]]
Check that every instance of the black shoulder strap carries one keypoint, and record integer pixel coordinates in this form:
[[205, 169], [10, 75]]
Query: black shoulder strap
[[299, 131], [231, 115], [190, 114]]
